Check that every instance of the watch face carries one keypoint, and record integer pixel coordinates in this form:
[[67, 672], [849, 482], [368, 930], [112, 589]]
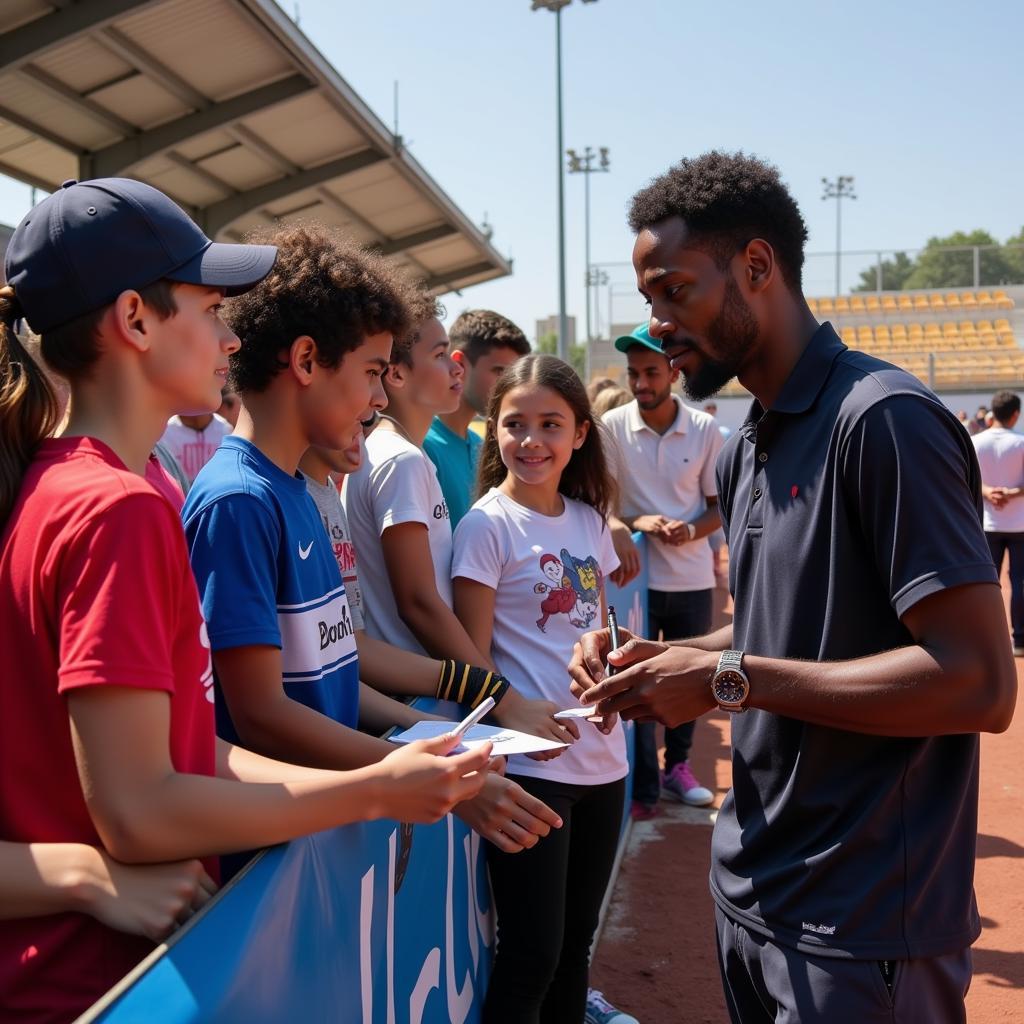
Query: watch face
[[731, 687]]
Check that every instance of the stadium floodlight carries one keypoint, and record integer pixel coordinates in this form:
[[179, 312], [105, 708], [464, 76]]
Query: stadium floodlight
[[584, 164], [840, 189], [563, 321]]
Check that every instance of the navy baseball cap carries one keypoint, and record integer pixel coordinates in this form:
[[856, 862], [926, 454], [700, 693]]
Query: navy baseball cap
[[79, 248], [640, 336]]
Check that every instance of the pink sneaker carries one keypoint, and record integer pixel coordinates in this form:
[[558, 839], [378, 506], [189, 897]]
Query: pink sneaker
[[682, 785]]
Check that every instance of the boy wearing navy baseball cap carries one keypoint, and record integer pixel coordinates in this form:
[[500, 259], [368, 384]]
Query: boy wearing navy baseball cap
[[107, 735]]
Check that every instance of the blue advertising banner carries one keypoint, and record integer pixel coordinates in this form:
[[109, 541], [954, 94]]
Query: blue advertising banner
[[377, 923]]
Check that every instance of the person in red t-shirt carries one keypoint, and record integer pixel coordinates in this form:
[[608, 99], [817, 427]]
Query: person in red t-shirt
[[106, 737]]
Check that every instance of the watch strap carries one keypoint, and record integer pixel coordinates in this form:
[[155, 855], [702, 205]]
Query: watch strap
[[730, 660]]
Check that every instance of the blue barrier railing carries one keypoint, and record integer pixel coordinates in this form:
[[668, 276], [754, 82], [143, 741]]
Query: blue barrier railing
[[372, 923]]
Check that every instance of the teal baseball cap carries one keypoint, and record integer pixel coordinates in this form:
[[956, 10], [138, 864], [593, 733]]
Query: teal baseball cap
[[639, 336]]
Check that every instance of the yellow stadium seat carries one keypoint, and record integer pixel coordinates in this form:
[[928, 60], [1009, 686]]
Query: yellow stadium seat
[[1002, 324], [888, 304], [936, 301], [985, 325], [825, 306], [872, 303], [915, 330], [882, 334], [849, 336], [985, 301], [932, 331], [950, 330], [857, 304], [1002, 300], [842, 305], [921, 303], [905, 303], [952, 300], [968, 300], [812, 305]]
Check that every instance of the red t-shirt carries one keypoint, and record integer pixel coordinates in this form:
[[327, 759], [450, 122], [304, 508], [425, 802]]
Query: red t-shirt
[[95, 589]]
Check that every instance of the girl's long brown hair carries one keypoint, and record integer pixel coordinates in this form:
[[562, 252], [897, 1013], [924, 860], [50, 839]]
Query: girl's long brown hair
[[586, 477], [28, 405]]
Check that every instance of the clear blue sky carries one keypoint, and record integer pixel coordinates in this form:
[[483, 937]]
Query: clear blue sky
[[919, 100]]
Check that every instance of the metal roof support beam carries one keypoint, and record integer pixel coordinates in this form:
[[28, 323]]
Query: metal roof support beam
[[444, 281], [433, 234], [219, 215], [131, 53], [62, 91], [28, 125], [25, 44], [117, 158]]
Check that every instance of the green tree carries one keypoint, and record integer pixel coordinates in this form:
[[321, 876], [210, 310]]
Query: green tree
[[548, 344], [1015, 257], [894, 273], [937, 267]]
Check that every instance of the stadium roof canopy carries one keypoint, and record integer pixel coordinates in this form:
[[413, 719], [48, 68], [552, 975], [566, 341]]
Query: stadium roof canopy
[[229, 108]]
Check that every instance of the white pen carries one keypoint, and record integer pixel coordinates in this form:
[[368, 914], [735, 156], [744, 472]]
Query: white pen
[[473, 717]]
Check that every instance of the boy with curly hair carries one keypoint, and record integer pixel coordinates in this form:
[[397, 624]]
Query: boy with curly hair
[[317, 339]]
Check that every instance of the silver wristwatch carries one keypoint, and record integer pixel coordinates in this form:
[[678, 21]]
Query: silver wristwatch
[[729, 685]]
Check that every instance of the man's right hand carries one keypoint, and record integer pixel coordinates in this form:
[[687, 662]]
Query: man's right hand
[[590, 655], [420, 784], [503, 813]]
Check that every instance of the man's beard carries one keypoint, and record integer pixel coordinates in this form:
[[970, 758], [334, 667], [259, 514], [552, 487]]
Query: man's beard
[[731, 335]]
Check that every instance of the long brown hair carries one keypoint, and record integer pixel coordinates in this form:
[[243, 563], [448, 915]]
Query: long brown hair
[[29, 409], [28, 405], [586, 477]]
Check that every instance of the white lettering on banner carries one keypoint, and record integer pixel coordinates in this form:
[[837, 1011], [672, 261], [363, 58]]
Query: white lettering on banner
[[365, 947], [429, 979], [459, 1002], [479, 926], [315, 638], [391, 927]]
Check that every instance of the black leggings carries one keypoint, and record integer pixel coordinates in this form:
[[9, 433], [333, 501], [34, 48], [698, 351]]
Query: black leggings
[[548, 900]]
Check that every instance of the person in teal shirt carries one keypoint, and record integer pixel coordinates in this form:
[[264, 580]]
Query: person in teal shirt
[[486, 343]]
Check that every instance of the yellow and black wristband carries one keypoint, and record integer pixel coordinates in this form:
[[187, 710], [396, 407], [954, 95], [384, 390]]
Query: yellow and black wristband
[[467, 684]]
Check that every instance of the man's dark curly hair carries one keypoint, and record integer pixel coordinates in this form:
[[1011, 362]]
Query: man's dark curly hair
[[423, 306], [324, 285], [726, 199], [478, 331]]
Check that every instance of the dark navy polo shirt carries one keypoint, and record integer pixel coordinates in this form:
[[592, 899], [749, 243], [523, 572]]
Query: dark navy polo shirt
[[855, 496]]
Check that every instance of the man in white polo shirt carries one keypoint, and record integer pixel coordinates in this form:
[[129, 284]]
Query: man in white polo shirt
[[1001, 457], [666, 472]]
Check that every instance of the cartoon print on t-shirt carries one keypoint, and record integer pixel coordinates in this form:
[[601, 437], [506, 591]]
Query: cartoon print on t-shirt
[[573, 588]]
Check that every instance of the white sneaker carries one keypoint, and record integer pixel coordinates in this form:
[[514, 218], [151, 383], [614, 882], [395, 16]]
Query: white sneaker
[[600, 1011], [681, 784]]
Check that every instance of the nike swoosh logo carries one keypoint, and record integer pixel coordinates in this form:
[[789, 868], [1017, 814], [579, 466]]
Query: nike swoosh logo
[[304, 551]]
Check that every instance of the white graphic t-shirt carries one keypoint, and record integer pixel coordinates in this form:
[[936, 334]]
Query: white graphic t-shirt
[[396, 483], [193, 449], [548, 576], [328, 504]]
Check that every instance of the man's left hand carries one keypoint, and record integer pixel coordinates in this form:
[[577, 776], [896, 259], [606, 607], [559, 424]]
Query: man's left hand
[[671, 687]]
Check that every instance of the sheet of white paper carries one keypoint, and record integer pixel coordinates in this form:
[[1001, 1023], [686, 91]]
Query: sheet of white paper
[[590, 711], [505, 741]]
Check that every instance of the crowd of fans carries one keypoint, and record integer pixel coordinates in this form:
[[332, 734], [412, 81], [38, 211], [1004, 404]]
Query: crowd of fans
[[198, 602]]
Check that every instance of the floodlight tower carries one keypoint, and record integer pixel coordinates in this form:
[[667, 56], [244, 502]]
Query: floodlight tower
[[840, 189], [563, 320], [585, 165]]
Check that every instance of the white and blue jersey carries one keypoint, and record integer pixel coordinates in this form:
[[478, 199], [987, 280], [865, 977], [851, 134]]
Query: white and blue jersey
[[267, 575]]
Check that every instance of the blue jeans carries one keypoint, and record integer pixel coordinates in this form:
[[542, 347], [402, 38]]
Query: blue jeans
[[998, 543], [671, 615]]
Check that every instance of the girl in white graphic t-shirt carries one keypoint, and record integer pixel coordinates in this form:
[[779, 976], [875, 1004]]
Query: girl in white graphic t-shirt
[[530, 561]]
